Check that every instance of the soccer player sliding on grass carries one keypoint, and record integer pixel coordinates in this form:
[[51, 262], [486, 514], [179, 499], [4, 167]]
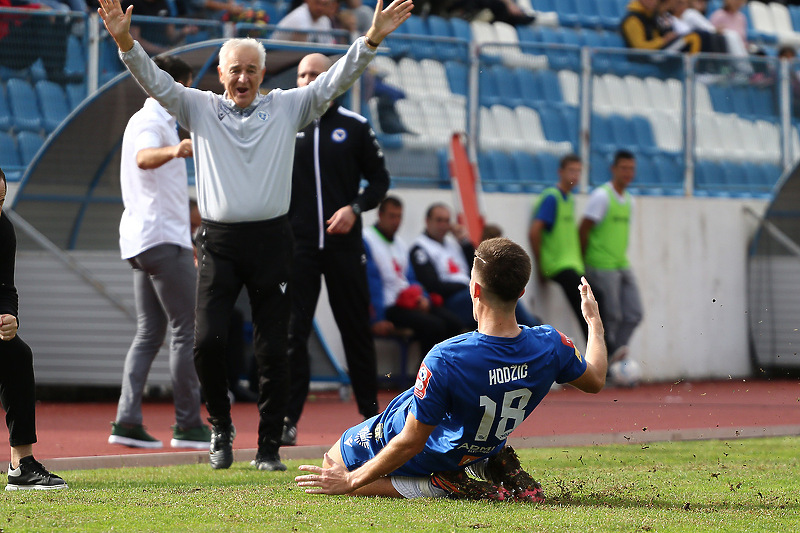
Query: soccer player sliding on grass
[[446, 436]]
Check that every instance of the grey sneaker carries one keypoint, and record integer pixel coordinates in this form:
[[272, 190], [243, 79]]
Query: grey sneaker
[[289, 435], [32, 475], [133, 436], [198, 438], [221, 450], [269, 463]]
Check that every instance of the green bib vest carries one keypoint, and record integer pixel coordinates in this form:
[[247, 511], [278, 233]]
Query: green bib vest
[[560, 247], [608, 240]]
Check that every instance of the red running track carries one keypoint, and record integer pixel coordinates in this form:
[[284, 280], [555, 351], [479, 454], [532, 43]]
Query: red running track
[[652, 412]]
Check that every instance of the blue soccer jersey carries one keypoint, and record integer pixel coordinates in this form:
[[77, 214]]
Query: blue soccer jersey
[[476, 389]]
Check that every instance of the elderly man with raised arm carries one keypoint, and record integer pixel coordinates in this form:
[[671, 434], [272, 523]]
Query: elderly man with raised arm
[[243, 147]]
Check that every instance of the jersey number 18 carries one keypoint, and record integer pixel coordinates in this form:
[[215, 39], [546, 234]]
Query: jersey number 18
[[508, 413]]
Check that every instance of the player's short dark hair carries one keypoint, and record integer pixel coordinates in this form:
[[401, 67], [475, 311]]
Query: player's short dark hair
[[393, 201], [3, 179], [503, 268], [567, 159], [436, 205], [623, 154], [175, 67]]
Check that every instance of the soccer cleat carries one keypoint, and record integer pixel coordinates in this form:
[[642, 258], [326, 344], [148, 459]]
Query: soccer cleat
[[505, 469], [270, 463], [460, 486], [220, 451], [133, 436], [289, 435], [198, 437], [32, 475]]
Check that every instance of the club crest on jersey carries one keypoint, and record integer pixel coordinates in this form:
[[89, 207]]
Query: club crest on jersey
[[263, 115], [568, 342], [423, 377], [338, 135]]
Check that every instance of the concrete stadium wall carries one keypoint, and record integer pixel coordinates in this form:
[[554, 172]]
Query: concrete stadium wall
[[689, 258]]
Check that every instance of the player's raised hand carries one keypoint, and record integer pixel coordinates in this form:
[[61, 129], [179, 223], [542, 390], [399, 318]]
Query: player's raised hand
[[117, 22], [385, 21], [589, 307]]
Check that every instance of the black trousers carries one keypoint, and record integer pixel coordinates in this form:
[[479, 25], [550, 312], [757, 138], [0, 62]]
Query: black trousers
[[429, 328], [258, 256], [570, 281], [18, 391], [345, 274]]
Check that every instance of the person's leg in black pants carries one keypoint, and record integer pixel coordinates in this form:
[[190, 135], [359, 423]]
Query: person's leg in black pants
[[570, 281], [305, 293], [428, 329], [18, 391], [267, 275], [348, 294], [218, 286]]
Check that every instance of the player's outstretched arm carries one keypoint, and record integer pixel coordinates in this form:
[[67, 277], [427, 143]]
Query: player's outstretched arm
[[117, 22], [594, 378], [385, 21], [337, 480]]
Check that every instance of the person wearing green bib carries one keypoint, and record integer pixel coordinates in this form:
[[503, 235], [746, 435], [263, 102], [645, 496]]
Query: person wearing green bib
[[553, 235], [604, 232]]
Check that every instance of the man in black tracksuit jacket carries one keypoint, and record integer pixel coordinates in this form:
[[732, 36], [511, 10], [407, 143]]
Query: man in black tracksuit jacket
[[332, 155]]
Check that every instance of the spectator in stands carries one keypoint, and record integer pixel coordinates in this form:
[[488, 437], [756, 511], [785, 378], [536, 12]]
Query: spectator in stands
[[332, 156], [244, 142], [730, 17], [352, 15], [48, 33], [217, 9], [17, 386], [155, 238], [442, 259], [553, 234], [642, 28], [685, 20], [309, 22], [156, 37], [604, 232], [491, 231], [492, 10], [398, 301]]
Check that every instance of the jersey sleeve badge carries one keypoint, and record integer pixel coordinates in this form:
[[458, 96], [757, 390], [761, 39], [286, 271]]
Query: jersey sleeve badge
[[423, 378]]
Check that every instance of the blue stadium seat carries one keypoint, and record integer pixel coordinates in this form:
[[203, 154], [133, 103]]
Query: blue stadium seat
[[529, 171], [599, 168], [528, 34], [457, 77], [602, 136], [572, 119], [736, 178], [593, 39], [461, 29], [644, 135], [709, 179], [24, 108], [29, 144], [505, 172], [567, 13], [553, 124], [530, 90], [794, 13], [76, 92], [549, 164], [488, 87], [721, 99], [770, 174], [76, 57], [5, 111], [550, 86], [440, 27], [509, 85], [610, 15], [670, 173], [762, 102], [588, 13], [545, 5], [10, 161], [488, 181], [740, 102], [54, 104]]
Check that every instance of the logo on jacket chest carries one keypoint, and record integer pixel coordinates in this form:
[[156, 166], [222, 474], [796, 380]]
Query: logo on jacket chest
[[338, 135]]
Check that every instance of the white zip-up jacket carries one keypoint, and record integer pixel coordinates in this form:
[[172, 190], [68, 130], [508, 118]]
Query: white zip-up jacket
[[243, 157]]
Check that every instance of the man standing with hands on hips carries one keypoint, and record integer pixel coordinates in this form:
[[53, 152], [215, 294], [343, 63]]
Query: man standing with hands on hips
[[243, 145]]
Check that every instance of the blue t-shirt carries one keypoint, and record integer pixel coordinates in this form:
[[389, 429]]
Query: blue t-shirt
[[476, 389]]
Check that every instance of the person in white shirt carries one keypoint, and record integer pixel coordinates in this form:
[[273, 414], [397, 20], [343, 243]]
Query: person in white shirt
[[154, 237], [311, 22], [243, 144]]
